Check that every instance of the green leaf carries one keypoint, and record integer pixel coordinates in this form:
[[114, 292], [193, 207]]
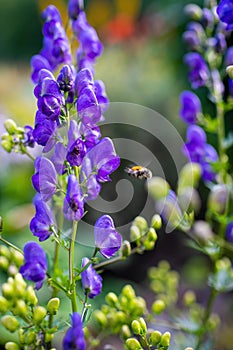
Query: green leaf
[[222, 280], [187, 324], [209, 124]]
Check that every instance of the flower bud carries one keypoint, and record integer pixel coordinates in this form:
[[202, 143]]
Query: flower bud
[[188, 348], [53, 305], [12, 270], [125, 332], [165, 339], [158, 306], [17, 257], [152, 235], [126, 249], [143, 325], [8, 290], [48, 337], [6, 145], [3, 305], [155, 338], [141, 223], [65, 78], [158, 188], [156, 221], [11, 346], [223, 264], [4, 251], [136, 327], [30, 296], [10, 323], [100, 318], [148, 245], [218, 199], [29, 338], [135, 234], [128, 291], [39, 314], [4, 263], [121, 317], [189, 298], [193, 11], [111, 299], [229, 71], [189, 176], [10, 126], [202, 231], [20, 281], [21, 308], [133, 344]]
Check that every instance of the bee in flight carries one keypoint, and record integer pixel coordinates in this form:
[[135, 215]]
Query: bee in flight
[[139, 172]]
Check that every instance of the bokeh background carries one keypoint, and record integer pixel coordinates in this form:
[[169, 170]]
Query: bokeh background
[[142, 63]]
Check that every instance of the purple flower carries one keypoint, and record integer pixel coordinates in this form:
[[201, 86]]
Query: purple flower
[[76, 145], [190, 107], [101, 95], [107, 239], [198, 69], [90, 135], [83, 79], [38, 62], [45, 178], [88, 107], [51, 13], [74, 338], [58, 158], [229, 232], [74, 8], [225, 13], [170, 210], [44, 129], [65, 78], [73, 203], [28, 139], [91, 280], [43, 222], [35, 264], [229, 57]]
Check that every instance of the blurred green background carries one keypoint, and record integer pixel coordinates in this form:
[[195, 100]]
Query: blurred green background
[[142, 63]]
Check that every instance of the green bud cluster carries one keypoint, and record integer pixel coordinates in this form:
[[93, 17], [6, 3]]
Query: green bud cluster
[[10, 260], [20, 311], [164, 283], [119, 311], [147, 338], [12, 140], [144, 236]]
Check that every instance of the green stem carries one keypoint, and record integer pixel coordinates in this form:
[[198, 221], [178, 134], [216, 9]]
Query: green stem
[[221, 137], [71, 268], [10, 245], [206, 316], [29, 155], [108, 262]]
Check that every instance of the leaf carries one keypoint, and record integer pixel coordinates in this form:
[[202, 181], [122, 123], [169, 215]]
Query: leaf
[[209, 124], [222, 280], [187, 324]]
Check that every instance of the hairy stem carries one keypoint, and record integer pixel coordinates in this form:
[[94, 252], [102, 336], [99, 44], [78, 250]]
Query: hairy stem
[[71, 268]]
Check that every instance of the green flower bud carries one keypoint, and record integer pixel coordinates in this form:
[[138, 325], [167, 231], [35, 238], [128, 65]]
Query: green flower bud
[[143, 325], [29, 338], [17, 257], [111, 299], [189, 298], [193, 11], [156, 222], [48, 337], [152, 235], [135, 234], [7, 145], [218, 199], [11, 346], [125, 332], [155, 338], [121, 317], [21, 336], [202, 231], [4, 251], [10, 323], [189, 176], [141, 223], [158, 306], [157, 187], [136, 327], [126, 249], [148, 245], [100, 318], [4, 263], [223, 264], [165, 339], [8, 290], [139, 306], [20, 308], [128, 291], [30, 296], [133, 344], [39, 314], [53, 305], [3, 304], [12, 270], [229, 71], [10, 126]]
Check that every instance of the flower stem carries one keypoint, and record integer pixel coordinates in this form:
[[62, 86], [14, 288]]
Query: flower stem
[[221, 137], [10, 245], [71, 268], [206, 316]]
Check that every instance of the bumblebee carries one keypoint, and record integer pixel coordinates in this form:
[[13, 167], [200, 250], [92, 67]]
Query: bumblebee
[[139, 172]]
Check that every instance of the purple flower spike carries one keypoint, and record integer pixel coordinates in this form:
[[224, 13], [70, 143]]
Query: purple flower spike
[[73, 203], [74, 8], [74, 338], [190, 107], [51, 13], [229, 232], [51, 99], [38, 62], [107, 239], [225, 13], [45, 178], [42, 223], [198, 69], [91, 280], [65, 78], [35, 264]]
